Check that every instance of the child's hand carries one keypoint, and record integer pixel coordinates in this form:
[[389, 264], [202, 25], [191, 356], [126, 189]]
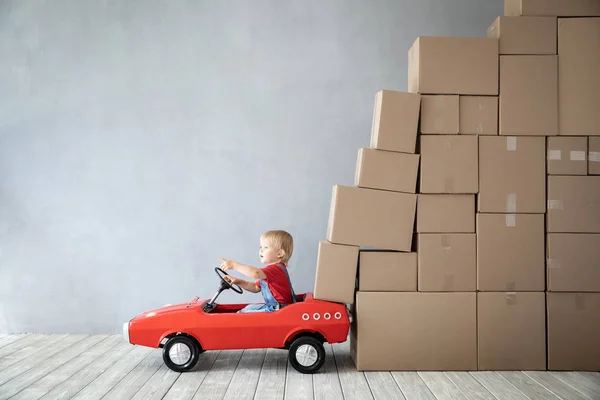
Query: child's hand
[[232, 280], [226, 265]]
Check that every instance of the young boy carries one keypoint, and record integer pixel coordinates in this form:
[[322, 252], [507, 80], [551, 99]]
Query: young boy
[[273, 281]]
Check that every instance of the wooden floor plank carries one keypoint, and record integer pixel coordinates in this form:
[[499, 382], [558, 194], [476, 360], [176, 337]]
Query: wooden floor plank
[[65, 371], [8, 339], [217, 380], [299, 386], [42, 369], [412, 386], [188, 383], [37, 357], [582, 384], [383, 386], [158, 385], [77, 382], [326, 381], [136, 379], [354, 384], [469, 386], [25, 347], [441, 386], [498, 386], [528, 386], [555, 385], [245, 378], [271, 382]]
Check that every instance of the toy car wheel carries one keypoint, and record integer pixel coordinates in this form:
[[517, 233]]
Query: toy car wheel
[[306, 355], [181, 353]]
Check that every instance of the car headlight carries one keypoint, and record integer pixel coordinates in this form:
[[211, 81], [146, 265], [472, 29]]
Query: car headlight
[[126, 332]]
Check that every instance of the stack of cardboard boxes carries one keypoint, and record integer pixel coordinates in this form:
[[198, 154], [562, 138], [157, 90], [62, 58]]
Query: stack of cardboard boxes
[[471, 238]]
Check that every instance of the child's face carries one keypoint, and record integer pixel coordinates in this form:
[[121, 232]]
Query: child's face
[[268, 253]]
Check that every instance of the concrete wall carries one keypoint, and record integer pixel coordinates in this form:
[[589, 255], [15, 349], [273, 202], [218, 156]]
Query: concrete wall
[[141, 140]]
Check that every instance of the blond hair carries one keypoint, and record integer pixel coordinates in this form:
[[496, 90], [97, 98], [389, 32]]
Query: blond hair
[[281, 240]]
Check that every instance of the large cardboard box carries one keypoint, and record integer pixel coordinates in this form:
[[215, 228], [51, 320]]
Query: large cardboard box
[[387, 170], [447, 262], [414, 332], [560, 8], [453, 65], [439, 114], [573, 331], [387, 271], [512, 174], [510, 253], [395, 121], [525, 35], [335, 278], [567, 155], [478, 115], [573, 262], [528, 95], [573, 204], [446, 213], [511, 331], [578, 79], [449, 164], [371, 218], [594, 156]]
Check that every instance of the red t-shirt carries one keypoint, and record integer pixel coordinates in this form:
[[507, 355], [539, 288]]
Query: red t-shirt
[[278, 283]]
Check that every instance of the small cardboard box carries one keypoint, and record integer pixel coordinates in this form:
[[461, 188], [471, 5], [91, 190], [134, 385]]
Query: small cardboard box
[[528, 103], [371, 218], [573, 262], [578, 81], [446, 213], [525, 35], [573, 331], [510, 253], [453, 65], [511, 331], [449, 164], [447, 262], [386, 271], [336, 272], [560, 8], [414, 332], [573, 204], [567, 155], [478, 115], [395, 121], [439, 114], [512, 174], [594, 156], [387, 170]]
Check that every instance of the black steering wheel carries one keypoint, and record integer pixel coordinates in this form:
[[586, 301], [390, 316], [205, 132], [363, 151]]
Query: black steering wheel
[[236, 288]]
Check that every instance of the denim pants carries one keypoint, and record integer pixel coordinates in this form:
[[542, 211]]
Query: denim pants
[[269, 305]]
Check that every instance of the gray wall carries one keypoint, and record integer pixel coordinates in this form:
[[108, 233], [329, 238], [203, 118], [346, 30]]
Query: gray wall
[[141, 140]]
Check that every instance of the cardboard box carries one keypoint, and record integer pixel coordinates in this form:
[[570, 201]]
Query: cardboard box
[[578, 80], [510, 253], [446, 213], [512, 174], [371, 218], [453, 65], [439, 114], [525, 35], [414, 332], [573, 204], [511, 331], [387, 170], [594, 156], [395, 121], [528, 104], [573, 262], [567, 155], [335, 278], [573, 331], [447, 262], [560, 8], [386, 271], [478, 115], [449, 164]]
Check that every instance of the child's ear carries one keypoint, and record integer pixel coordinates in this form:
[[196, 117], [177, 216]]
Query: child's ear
[[281, 253]]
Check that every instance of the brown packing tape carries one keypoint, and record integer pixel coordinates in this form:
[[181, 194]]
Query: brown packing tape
[[511, 298], [554, 155], [448, 284], [510, 220], [555, 204], [511, 143], [511, 203], [580, 301], [446, 243], [594, 156], [577, 155]]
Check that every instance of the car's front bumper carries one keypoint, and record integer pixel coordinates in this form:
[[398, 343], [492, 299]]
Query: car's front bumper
[[126, 332]]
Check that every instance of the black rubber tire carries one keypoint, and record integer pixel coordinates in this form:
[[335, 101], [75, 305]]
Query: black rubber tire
[[194, 353], [316, 344]]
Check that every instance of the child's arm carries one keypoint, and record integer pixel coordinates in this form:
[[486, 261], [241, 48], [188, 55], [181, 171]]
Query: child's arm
[[248, 286], [249, 271]]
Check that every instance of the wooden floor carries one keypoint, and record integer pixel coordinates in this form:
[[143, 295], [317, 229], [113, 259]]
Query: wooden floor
[[105, 367]]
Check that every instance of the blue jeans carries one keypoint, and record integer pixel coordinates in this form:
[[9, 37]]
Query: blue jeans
[[269, 305]]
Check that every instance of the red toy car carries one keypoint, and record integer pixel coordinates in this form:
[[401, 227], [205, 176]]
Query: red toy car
[[185, 330]]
